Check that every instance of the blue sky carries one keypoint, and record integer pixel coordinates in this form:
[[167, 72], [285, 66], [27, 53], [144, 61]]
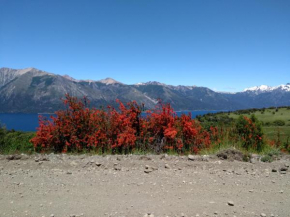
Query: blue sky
[[225, 45]]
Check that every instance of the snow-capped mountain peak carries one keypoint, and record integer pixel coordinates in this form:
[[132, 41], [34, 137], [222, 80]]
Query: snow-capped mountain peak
[[151, 83], [285, 87], [265, 88]]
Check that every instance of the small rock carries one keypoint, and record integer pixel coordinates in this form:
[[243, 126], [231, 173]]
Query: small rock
[[148, 215], [69, 172], [283, 168], [167, 166], [98, 164], [42, 158], [205, 158], [117, 166], [149, 169], [164, 156], [274, 170], [145, 158], [253, 160], [73, 163], [283, 172], [231, 155], [193, 157], [263, 215], [13, 157], [231, 203]]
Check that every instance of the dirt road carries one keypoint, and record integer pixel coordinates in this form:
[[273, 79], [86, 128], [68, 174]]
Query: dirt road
[[132, 185]]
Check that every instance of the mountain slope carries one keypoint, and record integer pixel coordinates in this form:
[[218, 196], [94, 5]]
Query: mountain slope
[[31, 90]]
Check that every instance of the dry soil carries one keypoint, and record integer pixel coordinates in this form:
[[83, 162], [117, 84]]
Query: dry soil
[[132, 185]]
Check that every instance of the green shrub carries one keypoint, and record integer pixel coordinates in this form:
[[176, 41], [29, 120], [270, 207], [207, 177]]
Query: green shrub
[[267, 158], [15, 141], [279, 123], [267, 123]]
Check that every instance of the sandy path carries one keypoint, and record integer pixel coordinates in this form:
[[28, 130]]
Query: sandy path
[[63, 185]]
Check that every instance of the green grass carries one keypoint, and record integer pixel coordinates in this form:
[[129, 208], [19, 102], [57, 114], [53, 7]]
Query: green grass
[[267, 118], [269, 115], [272, 132]]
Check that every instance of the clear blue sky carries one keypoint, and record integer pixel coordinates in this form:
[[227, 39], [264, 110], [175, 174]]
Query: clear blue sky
[[225, 45]]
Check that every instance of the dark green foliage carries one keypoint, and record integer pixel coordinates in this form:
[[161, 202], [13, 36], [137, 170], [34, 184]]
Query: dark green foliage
[[215, 120], [279, 123], [286, 145], [12, 141], [267, 123]]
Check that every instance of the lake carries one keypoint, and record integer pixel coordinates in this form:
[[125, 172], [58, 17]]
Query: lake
[[29, 122]]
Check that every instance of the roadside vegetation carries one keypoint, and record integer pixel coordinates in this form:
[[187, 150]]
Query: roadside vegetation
[[81, 129], [124, 130], [12, 141], [275, 124]]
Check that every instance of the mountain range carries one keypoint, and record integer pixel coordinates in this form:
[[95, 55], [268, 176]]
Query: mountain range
[[35, 91]]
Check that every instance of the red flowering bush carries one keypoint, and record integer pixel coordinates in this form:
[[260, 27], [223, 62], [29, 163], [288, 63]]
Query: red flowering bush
[[79, 128], [194, 136], [250, 132], [160, 126]]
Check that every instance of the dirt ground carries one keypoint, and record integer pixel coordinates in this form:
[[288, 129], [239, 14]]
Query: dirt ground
[[133, 185]]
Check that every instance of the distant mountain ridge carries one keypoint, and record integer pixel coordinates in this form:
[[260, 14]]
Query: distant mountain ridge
[[265, 88], [35, 91]]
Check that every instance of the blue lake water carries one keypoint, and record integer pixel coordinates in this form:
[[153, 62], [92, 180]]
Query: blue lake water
[[29, 122]]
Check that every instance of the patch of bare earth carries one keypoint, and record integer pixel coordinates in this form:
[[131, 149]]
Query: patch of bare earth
[[132, 185]]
